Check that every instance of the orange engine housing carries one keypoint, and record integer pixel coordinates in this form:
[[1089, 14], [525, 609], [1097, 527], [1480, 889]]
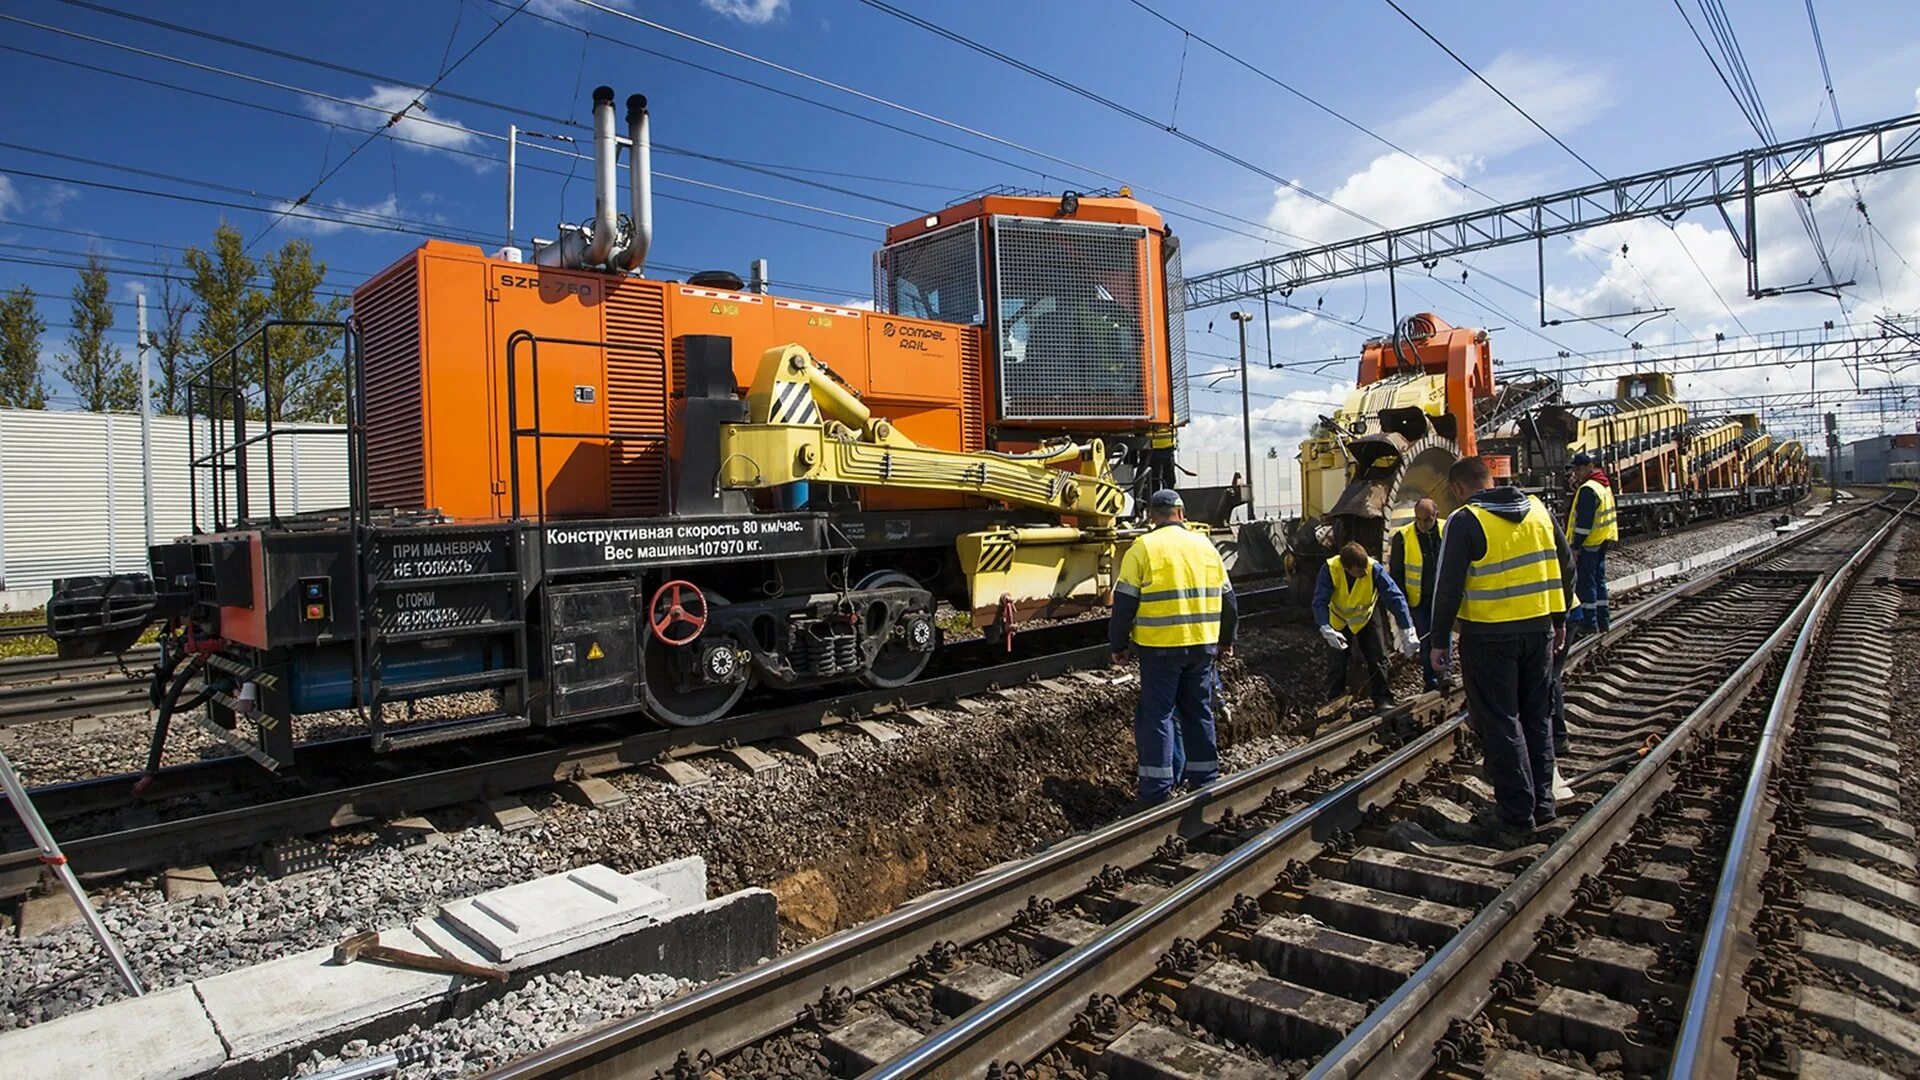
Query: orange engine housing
[[435, 330]]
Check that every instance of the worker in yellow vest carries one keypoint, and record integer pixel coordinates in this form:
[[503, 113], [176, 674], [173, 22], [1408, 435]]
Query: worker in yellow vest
[[1173, 607], [1591, 532], [1414, 548], [1505, 577], [1163, 446], [1350, 586]]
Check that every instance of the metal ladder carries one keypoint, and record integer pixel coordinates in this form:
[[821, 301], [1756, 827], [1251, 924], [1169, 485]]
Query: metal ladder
[[379, 591]]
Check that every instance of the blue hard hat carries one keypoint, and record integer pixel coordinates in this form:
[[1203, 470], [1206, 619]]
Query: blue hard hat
[[1165, 499]]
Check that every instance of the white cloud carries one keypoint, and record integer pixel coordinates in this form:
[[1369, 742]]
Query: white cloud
[[43, 200], [751, 12], [9, 198], [861, 304], [423, 131], [1393, 189], [325, 221], [1561, 94], [134, 289]]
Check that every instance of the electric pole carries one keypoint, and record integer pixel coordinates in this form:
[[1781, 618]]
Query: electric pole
[[1246, 410]]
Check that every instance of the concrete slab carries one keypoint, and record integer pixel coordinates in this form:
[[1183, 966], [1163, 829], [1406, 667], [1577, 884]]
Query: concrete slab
[[511, 815], [593, 791], [39, 914], [1821, 1067], [1850, 845], [977, 705], [921, 717], [1874, 824], [1582, 1022], [306, 996], [1270, 1013], [162, 1036], [1383, 916], [684, 774], [189, 882], [754, 760], [1853, 919], [1302, 951], [414, 832], [683, 881], [1515, 1065], [877, 731], [973, 985], [867, 1041], [1151, 1052], [1855, 880], [521, 922], [1861, 1020], [1449, 882], [1871, 966], [810, 745]]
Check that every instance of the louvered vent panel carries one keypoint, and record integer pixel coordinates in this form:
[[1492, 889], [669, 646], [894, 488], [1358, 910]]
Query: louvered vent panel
[[388, 316], [973, 397], [637, 388]]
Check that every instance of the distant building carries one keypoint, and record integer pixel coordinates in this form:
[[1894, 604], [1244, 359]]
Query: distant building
[[1866, 461]]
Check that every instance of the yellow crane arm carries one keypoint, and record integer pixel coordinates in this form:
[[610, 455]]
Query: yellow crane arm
[[804, 425]]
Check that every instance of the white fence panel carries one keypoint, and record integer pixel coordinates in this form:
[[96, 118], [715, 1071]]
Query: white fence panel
[[72, 491]]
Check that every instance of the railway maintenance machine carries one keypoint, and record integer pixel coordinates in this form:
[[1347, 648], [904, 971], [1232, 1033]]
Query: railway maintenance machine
[[578, 492]]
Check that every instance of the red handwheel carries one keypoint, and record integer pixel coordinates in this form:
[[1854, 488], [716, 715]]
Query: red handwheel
[[677, 613]]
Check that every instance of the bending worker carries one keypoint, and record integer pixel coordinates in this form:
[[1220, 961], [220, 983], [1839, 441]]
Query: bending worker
[[1591, 531], [1414, 548], [1343, 602], [1174, 606], [1505, 578]]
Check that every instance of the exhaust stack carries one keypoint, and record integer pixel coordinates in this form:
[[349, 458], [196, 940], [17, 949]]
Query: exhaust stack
[[640, 196], [606, 180]]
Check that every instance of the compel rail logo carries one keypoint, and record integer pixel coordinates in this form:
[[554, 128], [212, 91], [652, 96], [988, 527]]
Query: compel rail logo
[[888, 330]]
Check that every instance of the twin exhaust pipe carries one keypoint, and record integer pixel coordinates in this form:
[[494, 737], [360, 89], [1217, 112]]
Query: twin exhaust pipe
[[601, 246]]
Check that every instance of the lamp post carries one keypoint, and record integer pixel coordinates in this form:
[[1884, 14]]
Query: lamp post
[[1246, 408]]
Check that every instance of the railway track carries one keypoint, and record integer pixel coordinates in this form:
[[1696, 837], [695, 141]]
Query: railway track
[[1336, 900], [224, 803], [36, 688]]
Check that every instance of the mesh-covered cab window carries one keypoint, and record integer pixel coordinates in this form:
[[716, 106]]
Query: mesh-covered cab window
[[1076, 329], [936, 276], [1176, 328]]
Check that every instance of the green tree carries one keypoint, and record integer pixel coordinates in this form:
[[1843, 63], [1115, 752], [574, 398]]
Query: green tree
[[223, 284], [23, 384], [92, 365], [307, 380], [171, 344]]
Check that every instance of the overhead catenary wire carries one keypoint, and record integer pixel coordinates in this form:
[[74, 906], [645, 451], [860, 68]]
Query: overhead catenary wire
[[351, 103], [391, 121]]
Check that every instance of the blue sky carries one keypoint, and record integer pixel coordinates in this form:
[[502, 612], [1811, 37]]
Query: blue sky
[[1628, 89]]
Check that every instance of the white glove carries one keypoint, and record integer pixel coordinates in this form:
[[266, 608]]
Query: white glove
[[1334, 638], [1409, 644]]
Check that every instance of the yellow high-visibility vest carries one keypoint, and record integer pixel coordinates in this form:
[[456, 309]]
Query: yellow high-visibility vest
[[1164, 437], [1179, 579], [1604, 526], [1352, 605], [1414, 560], [1519, 576]]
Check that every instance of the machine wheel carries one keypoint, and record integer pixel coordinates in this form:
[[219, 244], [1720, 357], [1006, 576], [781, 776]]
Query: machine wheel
[[666, 701], [895, 664]]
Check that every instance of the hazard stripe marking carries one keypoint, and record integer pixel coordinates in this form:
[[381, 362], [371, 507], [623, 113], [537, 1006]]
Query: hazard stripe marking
[[823, 309], [715, 294]]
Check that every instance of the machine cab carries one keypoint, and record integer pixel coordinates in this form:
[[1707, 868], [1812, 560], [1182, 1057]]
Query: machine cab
[[1076, 298]]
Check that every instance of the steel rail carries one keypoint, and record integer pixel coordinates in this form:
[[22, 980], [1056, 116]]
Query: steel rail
[[66, 700], [1397, 1038], [1032, 1016], [1715, 997], [762, 1000], [19, 668], [768, 996]]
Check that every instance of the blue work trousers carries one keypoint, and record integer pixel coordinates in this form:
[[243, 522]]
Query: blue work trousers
[[1590, 586], [1422, 626], [1509, 683], [1176, 685]]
